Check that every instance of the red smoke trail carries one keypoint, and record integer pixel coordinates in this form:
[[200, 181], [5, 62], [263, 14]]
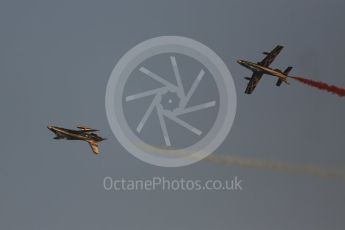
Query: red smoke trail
[[323, 86]]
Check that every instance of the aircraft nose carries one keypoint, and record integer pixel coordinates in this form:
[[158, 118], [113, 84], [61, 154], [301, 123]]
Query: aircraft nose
[[239, 61], [50, 127]]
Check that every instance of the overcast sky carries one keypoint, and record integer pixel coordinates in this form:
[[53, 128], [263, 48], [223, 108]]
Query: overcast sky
[[56, 58]]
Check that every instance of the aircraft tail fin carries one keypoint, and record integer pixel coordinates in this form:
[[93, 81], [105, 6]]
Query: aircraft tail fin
[[94, 147], [286, 72]]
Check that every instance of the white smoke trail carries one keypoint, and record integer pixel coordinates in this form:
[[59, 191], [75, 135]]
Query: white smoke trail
[[266, 165]]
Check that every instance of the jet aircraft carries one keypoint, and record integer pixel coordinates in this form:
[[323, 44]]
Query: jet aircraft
[[262, 68], [83, 134]]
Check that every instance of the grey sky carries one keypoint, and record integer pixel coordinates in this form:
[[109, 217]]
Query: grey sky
[[56, 58]]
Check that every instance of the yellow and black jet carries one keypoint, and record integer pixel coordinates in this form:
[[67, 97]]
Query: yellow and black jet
[[83, 134], [262, 68]]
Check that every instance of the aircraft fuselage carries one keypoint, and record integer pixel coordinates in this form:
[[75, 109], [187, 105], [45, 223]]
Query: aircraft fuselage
[[74, 134], [265, 70]]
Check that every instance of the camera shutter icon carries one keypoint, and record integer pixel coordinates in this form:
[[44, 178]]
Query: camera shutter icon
[[170, 101]]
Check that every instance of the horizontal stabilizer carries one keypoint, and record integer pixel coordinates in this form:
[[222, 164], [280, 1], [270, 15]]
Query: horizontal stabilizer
[[247, 78], [287, 70], [266, 53], [279, 82]]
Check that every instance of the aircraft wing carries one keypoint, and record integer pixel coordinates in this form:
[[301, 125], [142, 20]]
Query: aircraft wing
[[86, 129], [271, 56], [94, 147], [254, 80]]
